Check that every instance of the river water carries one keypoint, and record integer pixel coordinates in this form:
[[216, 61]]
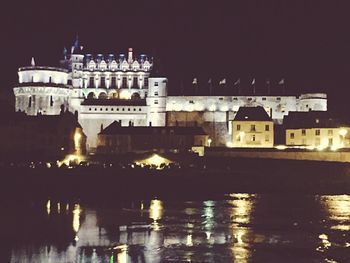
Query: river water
[[237, 227]]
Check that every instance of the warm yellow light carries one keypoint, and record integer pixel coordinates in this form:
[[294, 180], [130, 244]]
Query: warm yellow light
[[229, 144], [156, 209], [154, 160], [281, 147], [76, 220], [71, 158], [48, 207], [124, 94], [209, 141], [343, 132]]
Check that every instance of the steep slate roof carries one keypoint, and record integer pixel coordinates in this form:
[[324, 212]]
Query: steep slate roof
[[114, 102], [115, 129], [312, 119], [252, 114]]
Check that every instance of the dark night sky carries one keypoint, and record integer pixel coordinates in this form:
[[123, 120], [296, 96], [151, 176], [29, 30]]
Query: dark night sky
[[307, 42]]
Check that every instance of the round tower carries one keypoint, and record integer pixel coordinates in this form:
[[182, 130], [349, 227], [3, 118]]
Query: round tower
[[312, 102], [41, 90]]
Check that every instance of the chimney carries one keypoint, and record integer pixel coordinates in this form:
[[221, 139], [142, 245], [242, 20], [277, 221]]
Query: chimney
[[130, 55]]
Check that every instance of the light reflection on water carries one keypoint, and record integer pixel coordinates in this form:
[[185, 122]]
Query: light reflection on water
[[238, 228]]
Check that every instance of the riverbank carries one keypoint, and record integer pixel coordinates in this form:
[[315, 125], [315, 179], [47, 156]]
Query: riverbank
[[218, 176], [326, 155]]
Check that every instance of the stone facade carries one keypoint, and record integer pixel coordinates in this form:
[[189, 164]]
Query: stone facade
[[103, 89]]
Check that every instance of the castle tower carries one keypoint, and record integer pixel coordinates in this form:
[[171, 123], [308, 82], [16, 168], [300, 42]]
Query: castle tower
[[41, 90], [76, 61], [156, 100]]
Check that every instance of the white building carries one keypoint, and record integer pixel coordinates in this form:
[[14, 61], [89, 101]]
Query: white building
[[103, 89]]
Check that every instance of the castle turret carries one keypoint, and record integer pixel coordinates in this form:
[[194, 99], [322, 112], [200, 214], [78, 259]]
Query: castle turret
[[156, 99]]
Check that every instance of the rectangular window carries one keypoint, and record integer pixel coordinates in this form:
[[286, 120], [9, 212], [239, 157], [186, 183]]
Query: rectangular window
[[146, 83], [278, 98], [124, 82], [267, 138], [317, 132], [103, 82], [155, 83], [134, 84], [267, 127], [253, 138], [91, 82], [114, 82], [303, 132], [156, 102], [252, 128], [156, 93], [238, 127], [263, 98], [292, 135], [330, 132], [303, 141]]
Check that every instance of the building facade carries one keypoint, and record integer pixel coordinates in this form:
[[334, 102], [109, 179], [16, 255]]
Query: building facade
[[116, 139], [252, 128], [103, 89], [41, 137], [316, 130]]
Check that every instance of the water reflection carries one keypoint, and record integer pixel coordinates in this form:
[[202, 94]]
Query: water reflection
[[338, 210], [242, 207], [237, 228], [156, 213], [76, 220]]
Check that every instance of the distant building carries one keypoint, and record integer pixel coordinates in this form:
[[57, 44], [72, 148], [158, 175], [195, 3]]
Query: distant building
[[316, 129], [116, 139], [252, 127], [41, 137]]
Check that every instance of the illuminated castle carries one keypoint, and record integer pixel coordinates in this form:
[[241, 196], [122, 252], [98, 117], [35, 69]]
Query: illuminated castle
[[103, 89]]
